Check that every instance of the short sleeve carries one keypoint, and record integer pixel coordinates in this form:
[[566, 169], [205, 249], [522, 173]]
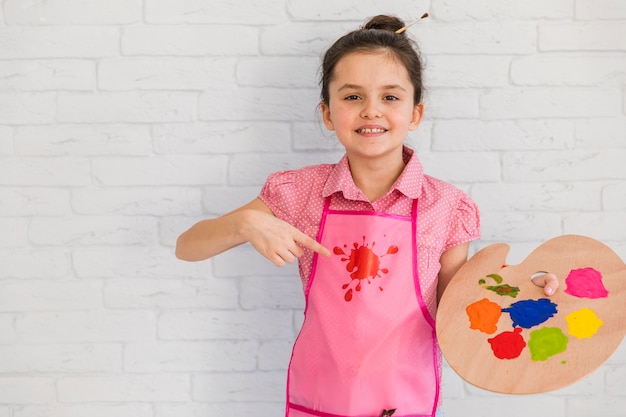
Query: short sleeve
[[465, 225], [280, 193]]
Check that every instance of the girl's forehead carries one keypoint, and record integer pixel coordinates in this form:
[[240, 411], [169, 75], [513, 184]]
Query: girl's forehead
[[371, 65]]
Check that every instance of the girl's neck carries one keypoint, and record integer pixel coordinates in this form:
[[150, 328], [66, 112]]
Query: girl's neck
[[375, 178]]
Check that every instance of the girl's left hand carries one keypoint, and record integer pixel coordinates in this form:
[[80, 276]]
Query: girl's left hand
[[547, 280]]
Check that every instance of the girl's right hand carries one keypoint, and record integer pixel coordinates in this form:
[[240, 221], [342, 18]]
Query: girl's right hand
[[276, 239]]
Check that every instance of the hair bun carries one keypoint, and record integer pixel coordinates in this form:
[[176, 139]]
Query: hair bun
[[384, 22]]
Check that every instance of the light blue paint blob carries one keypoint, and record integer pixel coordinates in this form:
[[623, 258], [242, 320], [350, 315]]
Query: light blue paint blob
[[530, 313]]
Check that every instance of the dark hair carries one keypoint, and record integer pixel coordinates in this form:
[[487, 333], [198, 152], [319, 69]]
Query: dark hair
[[379, 34]]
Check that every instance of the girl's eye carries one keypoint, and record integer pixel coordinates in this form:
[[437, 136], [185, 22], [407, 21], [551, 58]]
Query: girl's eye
[[352, 97], [391, 98]]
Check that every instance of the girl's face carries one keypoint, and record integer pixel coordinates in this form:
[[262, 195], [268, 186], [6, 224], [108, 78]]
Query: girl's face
[[371, 105]]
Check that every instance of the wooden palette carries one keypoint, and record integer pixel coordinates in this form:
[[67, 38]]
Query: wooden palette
[[538, 343]]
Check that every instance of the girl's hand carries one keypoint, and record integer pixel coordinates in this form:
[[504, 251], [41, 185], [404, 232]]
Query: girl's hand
[[547, 280], [276, 239]]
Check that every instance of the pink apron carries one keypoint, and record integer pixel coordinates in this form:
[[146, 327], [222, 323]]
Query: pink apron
[[368, 340]]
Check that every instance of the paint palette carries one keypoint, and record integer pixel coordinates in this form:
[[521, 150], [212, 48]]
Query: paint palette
[[500, 332]]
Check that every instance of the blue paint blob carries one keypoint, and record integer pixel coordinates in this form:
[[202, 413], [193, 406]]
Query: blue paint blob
[[530, 313]]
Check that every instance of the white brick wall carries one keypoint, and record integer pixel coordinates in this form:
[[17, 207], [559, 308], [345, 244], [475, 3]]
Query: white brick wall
[[122, 122]]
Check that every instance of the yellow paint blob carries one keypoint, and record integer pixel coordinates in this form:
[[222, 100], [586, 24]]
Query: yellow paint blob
[[583, 323]]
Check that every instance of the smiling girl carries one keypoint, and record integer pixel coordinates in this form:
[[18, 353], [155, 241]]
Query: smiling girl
[[377, 240]]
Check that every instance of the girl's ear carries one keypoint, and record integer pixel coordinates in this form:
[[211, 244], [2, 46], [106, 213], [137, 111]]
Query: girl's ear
[[326, 118], [416, 117]]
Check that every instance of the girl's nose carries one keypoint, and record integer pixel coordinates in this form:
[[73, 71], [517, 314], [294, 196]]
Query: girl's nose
[[370, 109]]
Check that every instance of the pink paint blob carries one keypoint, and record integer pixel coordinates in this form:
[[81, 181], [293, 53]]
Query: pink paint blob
[[585, 283]]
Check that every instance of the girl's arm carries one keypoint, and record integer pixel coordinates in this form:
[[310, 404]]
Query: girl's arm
[[451, 261], [254, 222]]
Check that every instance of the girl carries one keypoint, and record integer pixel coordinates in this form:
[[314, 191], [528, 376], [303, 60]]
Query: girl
[[377, 239]]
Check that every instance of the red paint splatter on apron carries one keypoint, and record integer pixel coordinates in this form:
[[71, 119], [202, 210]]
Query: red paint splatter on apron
[[363, 263]]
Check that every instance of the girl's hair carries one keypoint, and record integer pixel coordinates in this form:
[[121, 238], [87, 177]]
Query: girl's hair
[[379, 34]]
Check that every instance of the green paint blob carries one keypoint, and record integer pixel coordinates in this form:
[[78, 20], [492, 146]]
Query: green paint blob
[[504, 290], [546, 342]]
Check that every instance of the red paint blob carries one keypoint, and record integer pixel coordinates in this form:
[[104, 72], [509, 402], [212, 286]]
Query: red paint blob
[[508, 345]]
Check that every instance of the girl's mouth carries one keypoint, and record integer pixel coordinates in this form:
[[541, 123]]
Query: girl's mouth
[[371, 130]]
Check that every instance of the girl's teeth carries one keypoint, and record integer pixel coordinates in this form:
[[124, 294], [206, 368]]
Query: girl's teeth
[[372, 130]]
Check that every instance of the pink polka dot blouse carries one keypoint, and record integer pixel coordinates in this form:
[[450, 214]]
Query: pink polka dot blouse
[[446, 215]]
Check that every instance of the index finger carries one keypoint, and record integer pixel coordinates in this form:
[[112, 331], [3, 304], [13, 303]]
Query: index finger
[[313, 245]]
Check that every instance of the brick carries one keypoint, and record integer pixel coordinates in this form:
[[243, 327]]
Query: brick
[[221, 200], [137, 201], [602, 226], [14, 232], [516, 406], [313, 136], [27, 108], [164, 73], [291, 72], [585, 36], [238, 387], [446, 103], [542, 196], [196, 409], [62, 358], [67, 12], [22, 201], [479, 135], [489, 38], [272, 293], [58, 42], [81, 410], [6, 141], [476, 167], [245, 261], [466, 71], [599, 133], [134, 262], [7, 329], [253, 169], [574, 70], [170, 294], [221, 137], [26, 390], [161, 171], [123, 388], [47, 75], [614, 196], [301, 39], [258, 104], [267, 12], [608, 406], [93, 230], [85, 327], [224, 324], [217, 356], [358, 11], [518, 103], [24, 262], [274, 355], [83, 140], [126, 107], [513, 226], [593, 10], [563, 166], [458, 10], [36, 171], [26, 295], [189, 41]]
